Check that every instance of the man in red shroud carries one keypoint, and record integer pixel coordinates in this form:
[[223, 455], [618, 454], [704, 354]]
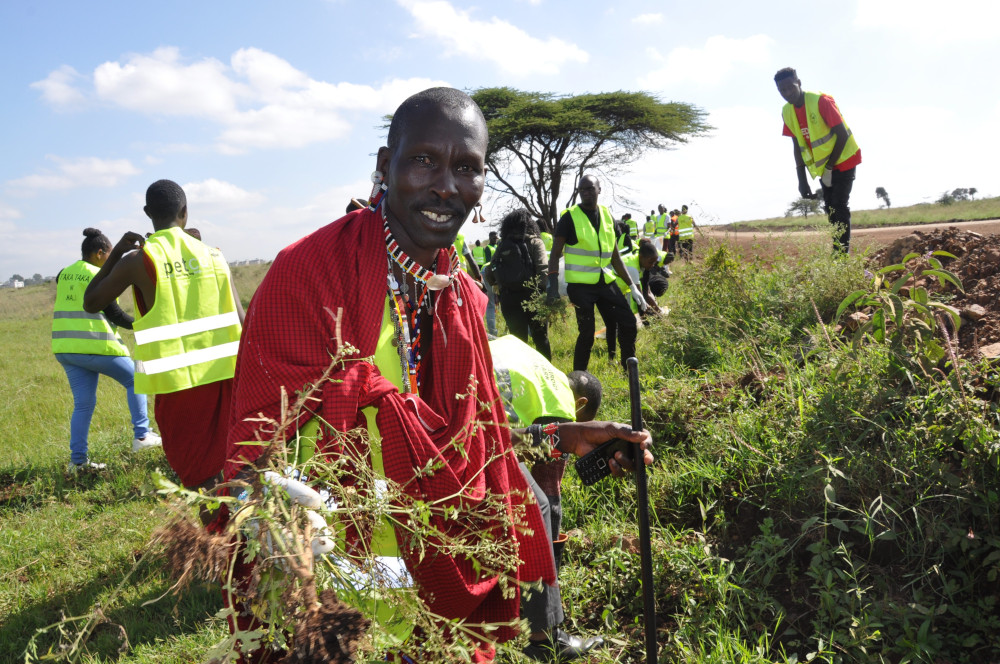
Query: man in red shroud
[[354, 280]]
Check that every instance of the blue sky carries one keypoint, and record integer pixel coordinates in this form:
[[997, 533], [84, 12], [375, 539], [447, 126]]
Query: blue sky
[[269, 114]]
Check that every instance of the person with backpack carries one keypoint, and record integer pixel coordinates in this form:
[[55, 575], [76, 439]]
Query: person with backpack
[[518, 268]]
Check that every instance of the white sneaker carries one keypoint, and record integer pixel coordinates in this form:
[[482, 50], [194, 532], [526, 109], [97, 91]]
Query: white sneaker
[[151, 440], [75, 468]]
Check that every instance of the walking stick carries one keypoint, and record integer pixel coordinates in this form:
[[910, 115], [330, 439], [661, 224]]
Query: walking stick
[[645, 545]]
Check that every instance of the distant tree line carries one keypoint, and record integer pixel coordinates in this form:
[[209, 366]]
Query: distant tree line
[[956, 195]]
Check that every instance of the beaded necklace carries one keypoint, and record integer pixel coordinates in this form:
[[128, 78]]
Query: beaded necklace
[[405, 312]]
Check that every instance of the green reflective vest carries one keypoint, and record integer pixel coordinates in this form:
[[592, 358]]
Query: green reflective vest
[[479, 253], [459, 245], [685, 227], [649, 227], [631, 260], [546, 240], [816, 151], [590, 257], [530, 387], [633, 228], [624, 248], [73, 329], [189, 337], [662, 225]]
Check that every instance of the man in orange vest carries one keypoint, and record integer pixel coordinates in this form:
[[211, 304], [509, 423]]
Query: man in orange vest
[[824, 144]]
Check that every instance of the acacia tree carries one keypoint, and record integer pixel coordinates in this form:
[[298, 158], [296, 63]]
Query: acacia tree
[[803, 206], [880, 192], [542, 143]]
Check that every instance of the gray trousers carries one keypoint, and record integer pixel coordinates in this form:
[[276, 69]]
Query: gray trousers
[[542, 608]]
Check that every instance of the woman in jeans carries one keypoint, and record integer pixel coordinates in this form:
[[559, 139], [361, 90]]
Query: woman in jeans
[[87, 345]]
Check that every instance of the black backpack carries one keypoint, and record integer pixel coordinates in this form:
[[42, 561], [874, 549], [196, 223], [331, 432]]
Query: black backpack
[[511, 265]]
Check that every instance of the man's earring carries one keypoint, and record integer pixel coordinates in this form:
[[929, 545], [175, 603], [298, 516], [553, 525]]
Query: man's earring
[[379, 187]]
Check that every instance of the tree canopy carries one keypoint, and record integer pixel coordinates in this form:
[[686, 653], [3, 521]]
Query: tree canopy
[[542, 143]]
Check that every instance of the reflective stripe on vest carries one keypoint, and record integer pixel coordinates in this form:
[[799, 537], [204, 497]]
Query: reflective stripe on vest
[[191, 334], [816, 152], [530, 386], [685, 227], [661, 225], [73, 329], [591, 255], [624, 248]]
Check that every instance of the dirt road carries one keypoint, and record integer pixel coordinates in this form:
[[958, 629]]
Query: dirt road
[[861, 238]]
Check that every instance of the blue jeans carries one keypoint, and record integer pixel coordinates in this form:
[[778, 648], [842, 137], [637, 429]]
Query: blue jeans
[[83, 371], [491, 311]]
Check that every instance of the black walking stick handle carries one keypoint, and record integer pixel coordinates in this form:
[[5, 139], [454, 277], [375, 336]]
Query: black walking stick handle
[[645, 544]]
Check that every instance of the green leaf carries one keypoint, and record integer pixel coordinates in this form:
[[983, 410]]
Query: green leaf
[[810, 522], [943, 253], [848, 301], [830, 493], [943, 276], [839, 525], [892, 268], [899, 283]]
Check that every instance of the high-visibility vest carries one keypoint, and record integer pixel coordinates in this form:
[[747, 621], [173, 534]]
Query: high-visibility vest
[[649, 227], [479, 253], [633, 228], [189, 337], [73, 329], [546, 240], [817, 150], [685, 227], [362, 592], [624, 248], [629, 261], [530, 387], [459, 245], [674, 231], [661, 225], [590, 257]]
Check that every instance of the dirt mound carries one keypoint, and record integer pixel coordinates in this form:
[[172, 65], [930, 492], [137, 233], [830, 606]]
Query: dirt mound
[[977, 266]]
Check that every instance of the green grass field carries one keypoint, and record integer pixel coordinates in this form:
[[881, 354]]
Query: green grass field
[[812, 500], [923, 213]]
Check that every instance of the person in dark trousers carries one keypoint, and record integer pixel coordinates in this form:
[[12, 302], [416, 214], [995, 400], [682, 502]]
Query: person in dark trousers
[[823, 144], [587, 234], [518, 268]]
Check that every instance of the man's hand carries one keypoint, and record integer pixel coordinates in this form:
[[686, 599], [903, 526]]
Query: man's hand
[[129, 242], [637, 296], [804, 190], [827, 178], [552, 291], [581, 437]]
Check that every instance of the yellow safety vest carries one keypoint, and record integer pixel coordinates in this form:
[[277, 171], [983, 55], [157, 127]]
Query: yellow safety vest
[[649, 227], [662, 227], [685, 227], [546, 240], [459, 245], [530, 387], [73, 329], [816, 152], [590, 257], [630, 261], [624, 249], [633, 228], [479, 253], [190, 335]]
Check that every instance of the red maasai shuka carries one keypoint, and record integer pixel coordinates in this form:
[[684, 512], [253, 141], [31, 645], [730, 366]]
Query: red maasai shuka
[[289, 338]]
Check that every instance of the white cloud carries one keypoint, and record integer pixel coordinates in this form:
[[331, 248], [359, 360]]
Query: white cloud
[[648, 19], [709, 65], [511, 49], [81, 172], [959, 20], [7, 212], [212, 192], [58, 88], [259, 100], [160, 83]]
